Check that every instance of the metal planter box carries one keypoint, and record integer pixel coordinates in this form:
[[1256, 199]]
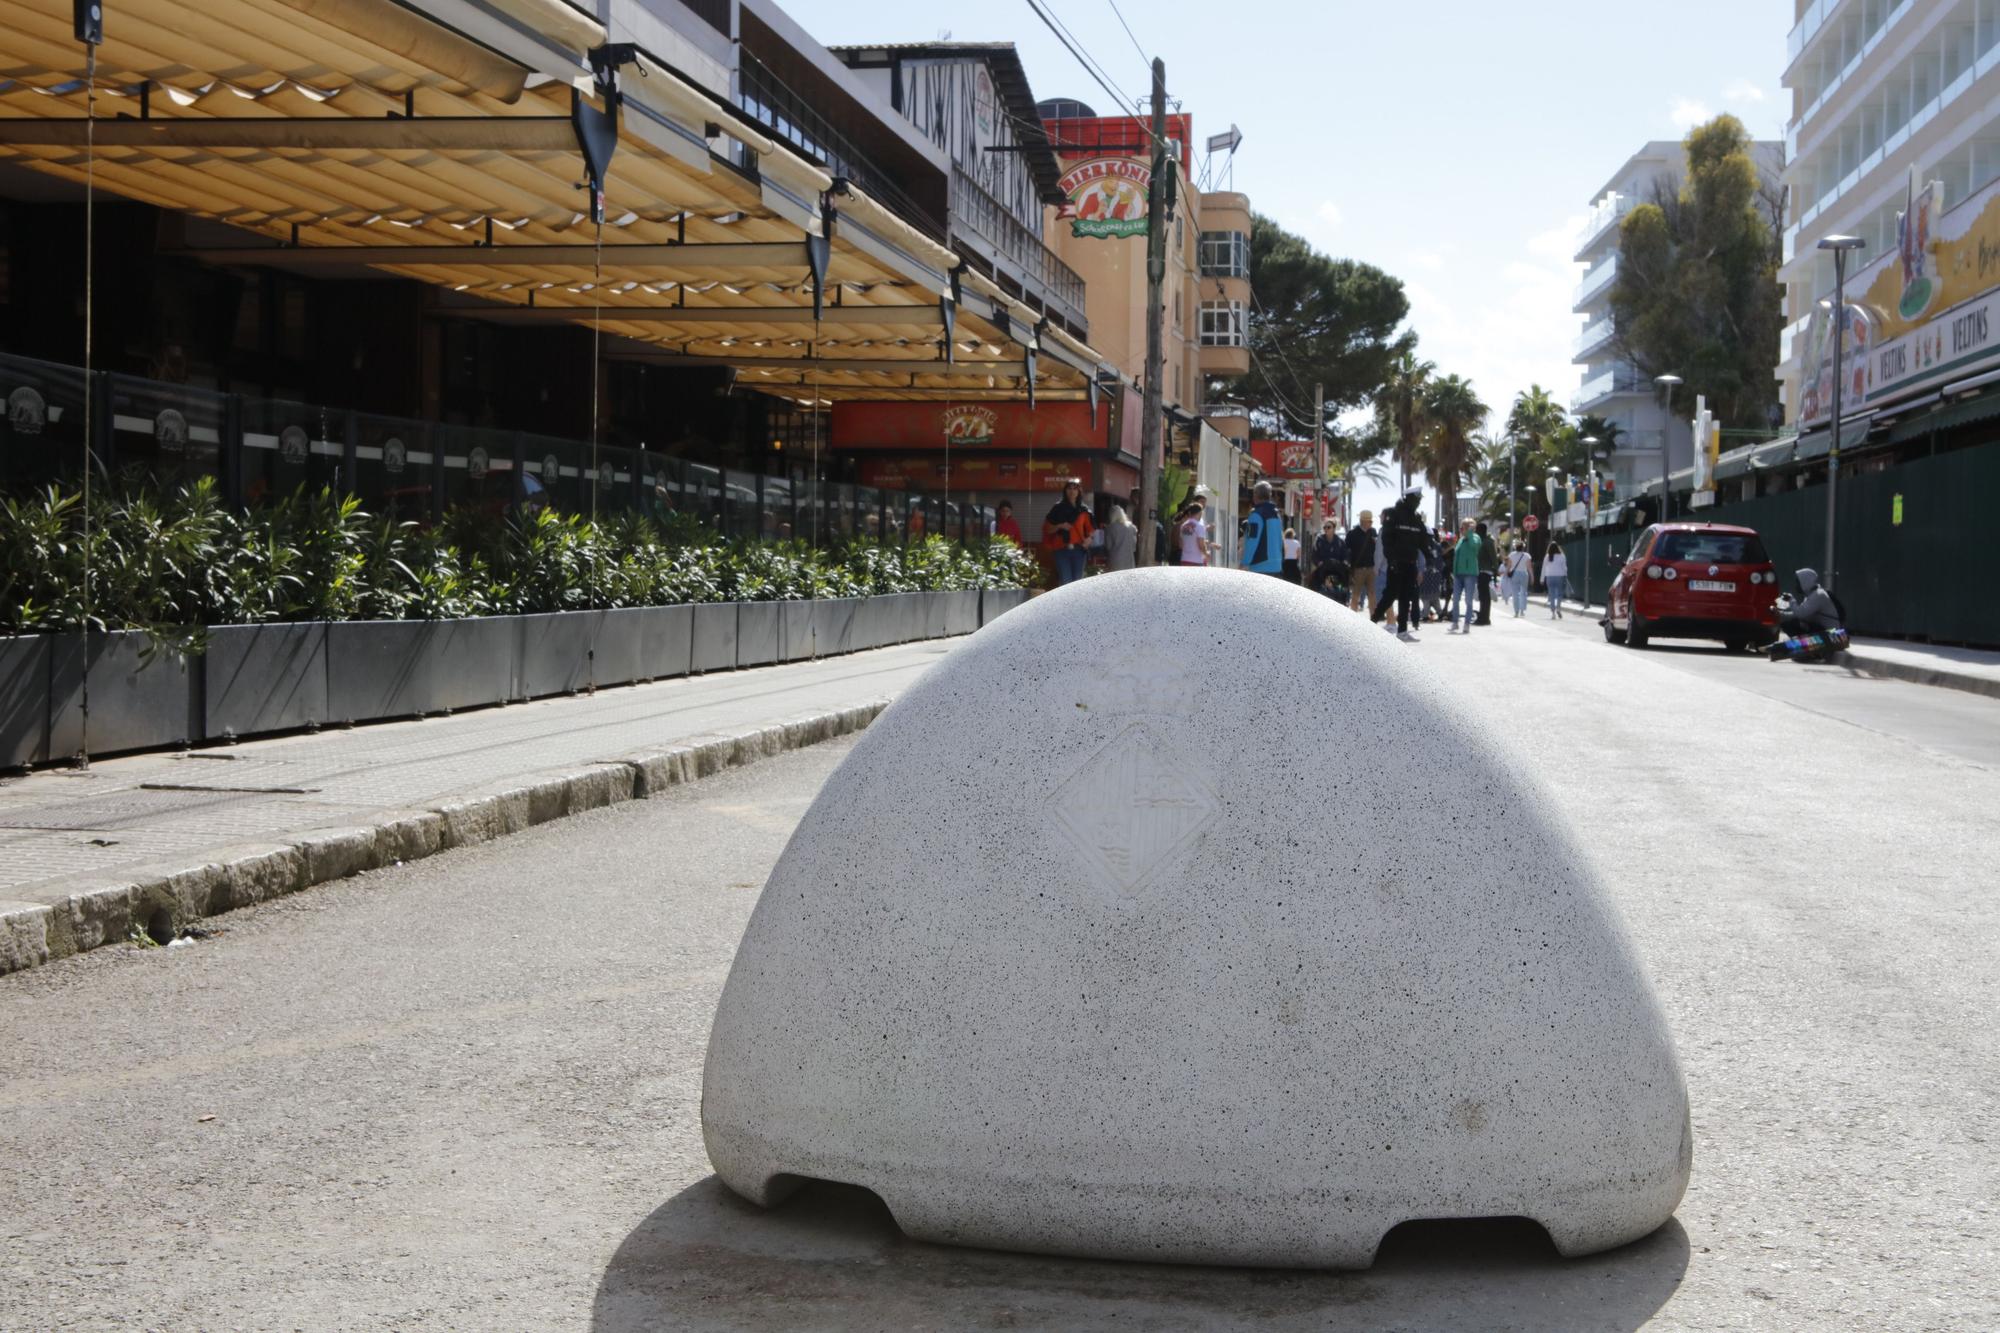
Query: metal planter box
[[911, 617], [396, 668], [961, 611], [714, 647], [24, 700], [258, 678], [757, 632], [797, 634], [136, 702], [833, 625], [666, 641], [875, 622], [618, 648], [554, 652], [996, 602]]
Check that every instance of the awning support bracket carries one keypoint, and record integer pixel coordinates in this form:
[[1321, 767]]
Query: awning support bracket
[[597, 130]]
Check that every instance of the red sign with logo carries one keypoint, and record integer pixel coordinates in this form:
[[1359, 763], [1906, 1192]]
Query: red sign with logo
[[1530, 523], [1011, 426], [1288, 460]]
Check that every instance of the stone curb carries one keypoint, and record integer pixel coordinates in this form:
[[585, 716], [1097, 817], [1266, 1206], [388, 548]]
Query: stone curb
[[1941, 677], [164, 899]]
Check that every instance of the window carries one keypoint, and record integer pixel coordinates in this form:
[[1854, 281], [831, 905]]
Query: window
[[1222, 324], [1225, 254], [1715, 548]]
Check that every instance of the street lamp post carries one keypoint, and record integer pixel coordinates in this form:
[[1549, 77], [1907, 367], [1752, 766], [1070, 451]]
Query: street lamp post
[[1589, 443], [1840, 245], [1666, 383]]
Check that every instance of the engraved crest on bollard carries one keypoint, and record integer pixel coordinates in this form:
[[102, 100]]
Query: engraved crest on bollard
[[1134, 807]]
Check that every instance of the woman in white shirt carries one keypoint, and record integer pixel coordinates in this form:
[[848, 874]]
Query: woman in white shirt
[[1517, 572], [1292, 548], [1194, 535], [1555, 573]]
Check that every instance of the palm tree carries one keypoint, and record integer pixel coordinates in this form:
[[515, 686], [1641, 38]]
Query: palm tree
[[1400, 403], [1534, 417], [1454, 411]]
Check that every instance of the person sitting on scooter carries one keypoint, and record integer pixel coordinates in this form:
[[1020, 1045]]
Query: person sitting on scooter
[[1814, 611]]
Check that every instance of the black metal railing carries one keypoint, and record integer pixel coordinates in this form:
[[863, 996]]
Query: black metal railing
[[974, 209], [785, 115]]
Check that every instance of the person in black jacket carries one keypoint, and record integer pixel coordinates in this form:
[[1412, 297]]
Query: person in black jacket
[[1402, 541], [1361, 539], [1330, 568]]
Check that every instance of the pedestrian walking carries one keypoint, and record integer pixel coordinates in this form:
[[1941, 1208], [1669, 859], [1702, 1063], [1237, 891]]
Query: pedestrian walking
[[1518, 574], [1489, 569], [1555, 576], [1362, 552], [1066, 533], [1434, 573], [1402, 548], [1194, 542], [1263, 534], [1465, 579], [1292, 549], [1121, 540], [1330, 572]]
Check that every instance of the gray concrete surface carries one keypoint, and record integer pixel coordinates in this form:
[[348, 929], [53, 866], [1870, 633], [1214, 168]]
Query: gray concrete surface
[[495, 1126], [177, 837]]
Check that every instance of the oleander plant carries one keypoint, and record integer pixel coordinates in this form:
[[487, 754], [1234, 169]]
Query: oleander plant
[[174, 561]]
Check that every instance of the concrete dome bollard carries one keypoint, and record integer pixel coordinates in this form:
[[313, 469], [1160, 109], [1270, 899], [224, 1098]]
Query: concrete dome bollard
[[1127, 933]]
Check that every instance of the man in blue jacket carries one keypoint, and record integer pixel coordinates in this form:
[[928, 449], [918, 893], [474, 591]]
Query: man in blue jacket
[[1264, 534]]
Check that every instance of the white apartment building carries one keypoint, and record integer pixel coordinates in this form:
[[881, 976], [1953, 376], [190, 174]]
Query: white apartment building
[[1612, 387], [1891, 99]]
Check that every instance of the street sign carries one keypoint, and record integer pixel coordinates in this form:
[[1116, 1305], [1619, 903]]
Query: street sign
[[1218, 143], [1530, 523]]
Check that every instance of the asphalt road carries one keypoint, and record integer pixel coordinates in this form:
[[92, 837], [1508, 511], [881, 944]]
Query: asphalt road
[[463, 1094]]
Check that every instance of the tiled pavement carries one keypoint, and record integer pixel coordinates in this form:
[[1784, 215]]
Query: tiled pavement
[[61, 826]]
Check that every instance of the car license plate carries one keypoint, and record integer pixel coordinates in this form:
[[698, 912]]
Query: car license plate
[[1710, 585]]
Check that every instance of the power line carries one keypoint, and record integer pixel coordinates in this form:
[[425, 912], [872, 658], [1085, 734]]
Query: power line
[[1128, 31], [1090, 67]]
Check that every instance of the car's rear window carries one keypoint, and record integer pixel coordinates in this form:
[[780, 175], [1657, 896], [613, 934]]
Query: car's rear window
[[1715, 548]]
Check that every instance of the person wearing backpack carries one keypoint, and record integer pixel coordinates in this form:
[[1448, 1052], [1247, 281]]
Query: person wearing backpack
[[1361, 551], [1264, 534]]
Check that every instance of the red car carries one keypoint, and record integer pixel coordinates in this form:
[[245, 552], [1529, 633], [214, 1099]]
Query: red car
[[1694, 581]]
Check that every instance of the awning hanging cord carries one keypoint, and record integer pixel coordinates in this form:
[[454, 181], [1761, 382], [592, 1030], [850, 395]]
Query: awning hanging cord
[[596, 342], [89, 397]]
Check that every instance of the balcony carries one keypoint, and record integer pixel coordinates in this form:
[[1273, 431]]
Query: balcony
[[1605, 216], [1808, 26], [1595, 334], [1595, 281], [765, 99], [989, 229], [1617, 380]]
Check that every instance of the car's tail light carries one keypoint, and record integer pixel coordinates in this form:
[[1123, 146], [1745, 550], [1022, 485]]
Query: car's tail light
[[1671, 574], [1652, 571]]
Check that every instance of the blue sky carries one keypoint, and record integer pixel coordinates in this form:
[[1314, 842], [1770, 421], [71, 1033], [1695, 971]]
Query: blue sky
[[1456, 144]]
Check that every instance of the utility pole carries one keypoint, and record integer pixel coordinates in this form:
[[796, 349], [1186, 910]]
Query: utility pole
[[1152, 439], [1319, 456]]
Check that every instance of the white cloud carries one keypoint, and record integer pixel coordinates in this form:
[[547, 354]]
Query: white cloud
[[1687, 112], [1560, 241], [1328, 212], [1743, 90]]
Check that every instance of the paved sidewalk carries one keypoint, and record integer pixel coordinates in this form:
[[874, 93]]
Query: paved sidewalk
[[1968, 669], [154, 842]]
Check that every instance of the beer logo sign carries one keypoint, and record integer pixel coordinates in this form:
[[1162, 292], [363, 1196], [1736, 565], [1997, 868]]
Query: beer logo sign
[[170, 431], [1107, 196], [1297, 460], [969, 425], [293, 445], [394, 455], [477, 462], [27, 410]]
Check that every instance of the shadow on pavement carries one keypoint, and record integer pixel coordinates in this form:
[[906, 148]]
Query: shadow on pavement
[[831, 1257]]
